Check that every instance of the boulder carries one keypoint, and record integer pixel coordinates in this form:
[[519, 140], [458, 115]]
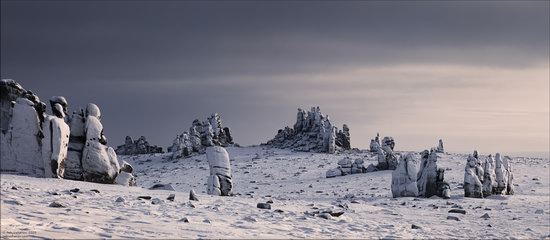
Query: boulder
[[473, 177], [427, 176], [439, 148], [404, 177], [220, 182]]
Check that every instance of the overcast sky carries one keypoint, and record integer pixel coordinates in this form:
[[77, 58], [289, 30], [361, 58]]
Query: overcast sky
[[473, 73]]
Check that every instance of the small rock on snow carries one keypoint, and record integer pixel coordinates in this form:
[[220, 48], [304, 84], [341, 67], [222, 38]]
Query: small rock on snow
[[263, 205]]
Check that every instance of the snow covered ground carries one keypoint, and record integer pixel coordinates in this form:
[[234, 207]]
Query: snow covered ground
[[294, 181]]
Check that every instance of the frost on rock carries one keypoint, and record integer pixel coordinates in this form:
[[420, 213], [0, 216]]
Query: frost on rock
[[140, 146], [55, 142], [404, 177], [489, 176], [99, 161], [473, 177], [312, 132], [77, 139], [430, 178], [439, 148], [200, 136], [219, 182], [503, 176], [125, 176]]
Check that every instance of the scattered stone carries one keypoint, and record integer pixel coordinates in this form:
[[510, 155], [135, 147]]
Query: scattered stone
[[206, 221], [539, 211], [269, 201], [336, 214], [263, 205], [156, 201], [278, 211], [453, 218], [325, 215], [185, 220], [74, 190], [57, 205], [13, 202], [193, 195], [120, 199], [160, 186], [461, 211], [249, 219], [415, 227], [485, 216], [171, 197], [95, 190], [144, 197], [14, 188]]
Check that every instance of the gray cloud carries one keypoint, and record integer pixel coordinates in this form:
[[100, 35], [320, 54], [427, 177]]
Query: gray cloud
[[155, 66]]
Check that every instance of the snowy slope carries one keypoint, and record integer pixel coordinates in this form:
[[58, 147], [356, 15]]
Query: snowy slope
[[294, 181]]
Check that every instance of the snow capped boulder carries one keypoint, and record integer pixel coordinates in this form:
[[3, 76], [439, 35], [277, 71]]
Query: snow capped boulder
[[427, 176], [140, 146], [99, 161], [335, 172], [388, 144], [404, 177], [503, 176], [312, 132], [125, 176], [219, 183], [55, 143], [25, 138], [473, 177], [200, 136], [489, 177], [375, 144]]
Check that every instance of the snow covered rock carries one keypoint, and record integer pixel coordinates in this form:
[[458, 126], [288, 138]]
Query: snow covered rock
[[200, 136], [55, 142], [503, 176], [375, 143], [99, 162], [219, 182], [125, 176], [489, 177], [404, 177], [387, 160], [77, 139], [25, 139], [140, 146], [312, 132], [473, 177], [427, 176], [388, 144]]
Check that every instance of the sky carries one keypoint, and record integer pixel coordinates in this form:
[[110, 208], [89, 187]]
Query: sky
[[475, 74]]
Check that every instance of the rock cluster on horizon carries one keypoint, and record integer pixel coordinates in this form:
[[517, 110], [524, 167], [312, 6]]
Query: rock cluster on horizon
[[134, 147], [312, 132], [485, 176], [200, 136]]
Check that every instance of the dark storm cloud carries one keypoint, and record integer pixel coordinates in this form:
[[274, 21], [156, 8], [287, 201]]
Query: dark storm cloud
[[154, 66]]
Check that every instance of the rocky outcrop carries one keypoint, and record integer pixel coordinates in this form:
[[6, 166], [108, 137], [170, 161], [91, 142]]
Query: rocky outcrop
[[439, 148], [504, 178], [404, 177], [312, 132], [375, 144], [200, 136], [473, 177], [140, 146], [430, 178], [220, 180], [489, 178], [346, 166]]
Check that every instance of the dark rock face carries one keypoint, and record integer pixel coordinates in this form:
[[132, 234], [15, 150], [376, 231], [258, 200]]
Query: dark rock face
[[140, 146], [200, 136], [473, 177], [312, 132]]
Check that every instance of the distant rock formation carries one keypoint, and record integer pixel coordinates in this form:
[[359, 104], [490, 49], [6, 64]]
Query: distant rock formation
[[220, 181], [312, 132], [345, 167], [140, 146], [375, 144], [489, 177], [200, 136], [439, 148], [504, 178], [430, 178]]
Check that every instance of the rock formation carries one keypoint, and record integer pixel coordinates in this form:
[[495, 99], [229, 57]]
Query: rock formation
[[375, 144], [125, 176], [200, 136], [77, 139], [404, 177], [140, 146], [55, 142], [503, 176], [489, 177], [439, 148], [347, 166], [312, 132], [99, 162], [219, 181], [473, 177], [427, 175]]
